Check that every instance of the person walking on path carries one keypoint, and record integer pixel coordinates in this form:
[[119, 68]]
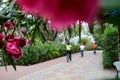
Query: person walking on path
[[82, 47], [94, 48], [68, 52]]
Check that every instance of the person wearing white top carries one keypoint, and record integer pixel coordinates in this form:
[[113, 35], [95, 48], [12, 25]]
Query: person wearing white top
[[82, 47]]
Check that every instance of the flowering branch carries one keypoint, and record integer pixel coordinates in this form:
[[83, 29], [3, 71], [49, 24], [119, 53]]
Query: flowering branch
[[11, 44]]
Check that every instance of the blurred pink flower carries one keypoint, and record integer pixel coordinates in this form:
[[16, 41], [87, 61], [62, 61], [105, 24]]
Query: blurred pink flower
[[1, 37], [19, 41], [62, 13], [14, 51], [23, 30], [8, 24], [28, 41], [11, 40]]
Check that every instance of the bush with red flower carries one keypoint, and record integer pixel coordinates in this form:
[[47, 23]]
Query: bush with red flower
[[11, 43]]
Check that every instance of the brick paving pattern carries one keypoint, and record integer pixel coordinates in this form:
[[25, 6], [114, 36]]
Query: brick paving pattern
[[88, 67]]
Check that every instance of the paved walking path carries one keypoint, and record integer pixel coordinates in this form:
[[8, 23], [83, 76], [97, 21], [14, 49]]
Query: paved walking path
[[88, 67]]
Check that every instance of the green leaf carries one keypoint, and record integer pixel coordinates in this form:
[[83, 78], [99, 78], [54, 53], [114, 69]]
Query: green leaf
[[6, 17], [45, 27], [4, 61], [41, 36], [13, 62]]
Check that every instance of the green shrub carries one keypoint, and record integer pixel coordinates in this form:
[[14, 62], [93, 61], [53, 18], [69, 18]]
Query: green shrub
[[107, 59], [31, 56], [75, 48], [52, 50], [42, 52], [110, 43], [88, 46], [87, 40], [99, 48]]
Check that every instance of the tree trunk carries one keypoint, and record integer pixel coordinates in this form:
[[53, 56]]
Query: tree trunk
[[79, 32]]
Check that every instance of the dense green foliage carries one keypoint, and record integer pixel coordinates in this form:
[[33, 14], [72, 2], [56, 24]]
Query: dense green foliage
[[42, 52], [97, 33], [110, 46]]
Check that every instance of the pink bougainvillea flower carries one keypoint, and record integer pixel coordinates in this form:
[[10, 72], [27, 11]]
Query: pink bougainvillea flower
[[1, 37], [62, 13], [23, 30], [14, 51], [19, 41], [11, 40], [8, 24], [28, 41]]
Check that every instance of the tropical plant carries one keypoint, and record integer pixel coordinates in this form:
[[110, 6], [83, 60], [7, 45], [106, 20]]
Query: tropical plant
[[110, 46]]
